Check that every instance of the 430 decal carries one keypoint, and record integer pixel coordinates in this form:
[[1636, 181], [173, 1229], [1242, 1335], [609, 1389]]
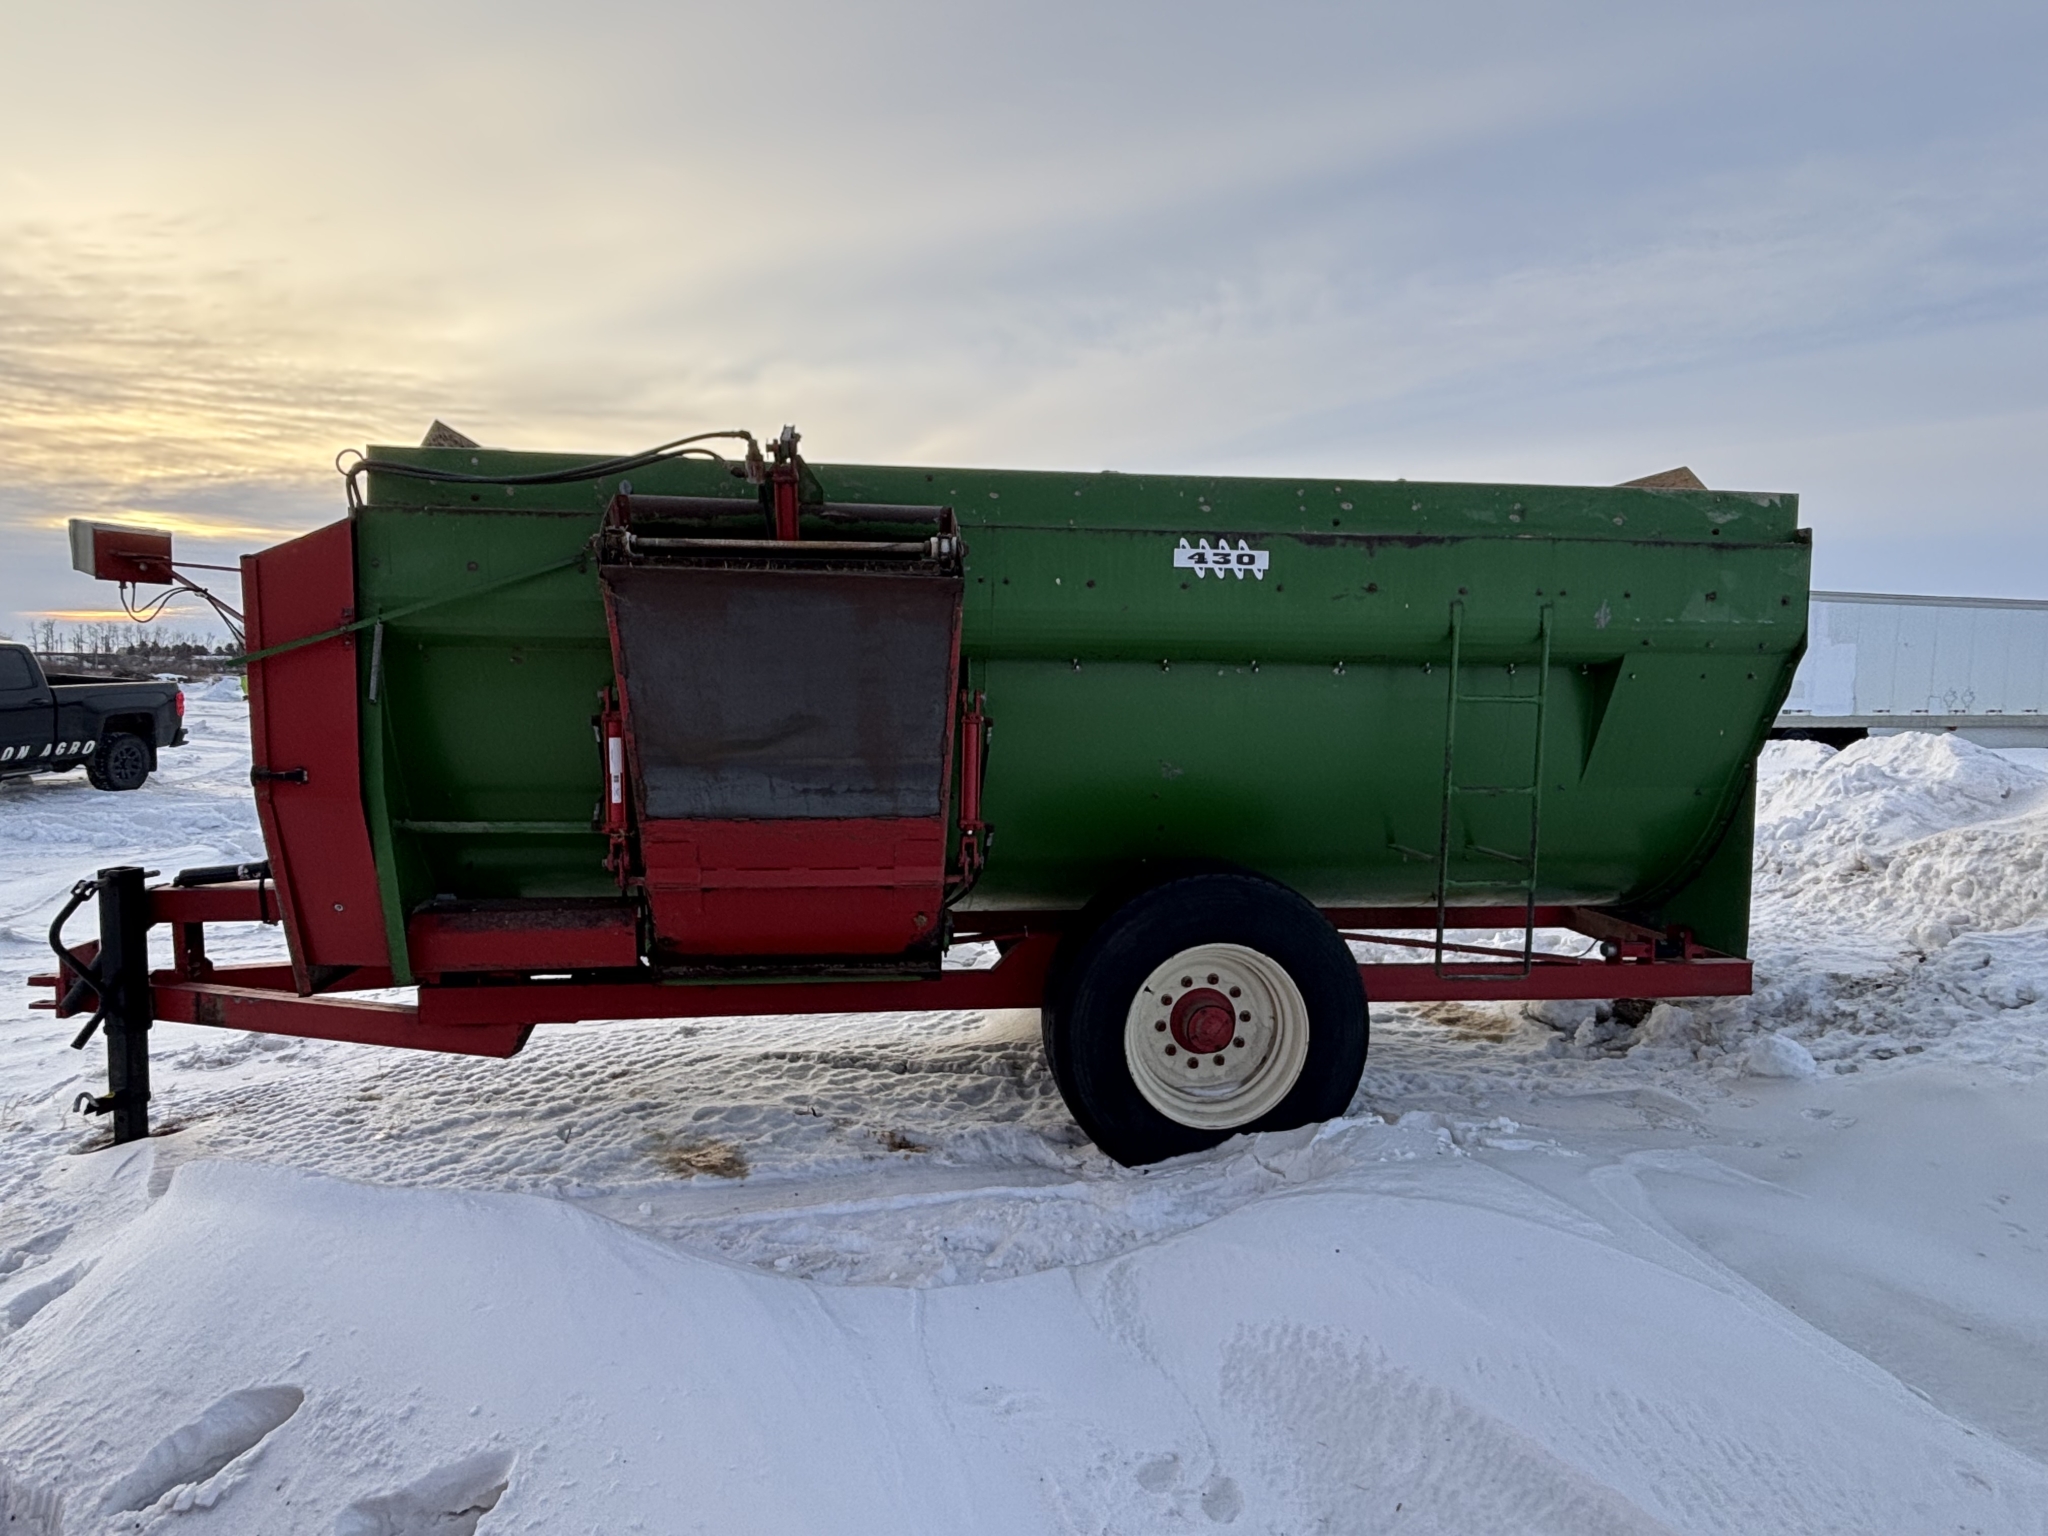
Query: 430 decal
[[1222, 560]]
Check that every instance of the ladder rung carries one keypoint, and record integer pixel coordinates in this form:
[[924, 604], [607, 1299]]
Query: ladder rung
[[1495, 853], [1521, 874]]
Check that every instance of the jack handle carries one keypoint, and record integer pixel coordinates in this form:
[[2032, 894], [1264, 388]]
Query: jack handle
[[87, 971]]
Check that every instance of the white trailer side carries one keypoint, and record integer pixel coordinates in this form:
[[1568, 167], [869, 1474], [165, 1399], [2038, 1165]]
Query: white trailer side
[[1884, 662]]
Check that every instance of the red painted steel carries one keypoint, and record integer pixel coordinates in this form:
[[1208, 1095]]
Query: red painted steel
[[785, 491], [1017, 981], [1588, 979], [265, 1011], [1479, 917], [761, 884], [305, 737], [525, 936], [973, 766], [115, 552], [1203, 1021], [263, 978], [855, 886], [492, 1017], [236, 901], [61, 980]]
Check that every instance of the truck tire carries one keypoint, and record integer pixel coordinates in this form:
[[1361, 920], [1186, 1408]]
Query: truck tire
[[1231, 979], [121, 761]]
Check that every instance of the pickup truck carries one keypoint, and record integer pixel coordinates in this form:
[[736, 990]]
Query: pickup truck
[[53, 721]]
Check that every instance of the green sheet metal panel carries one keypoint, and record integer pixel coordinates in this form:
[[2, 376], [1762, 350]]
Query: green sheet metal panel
[[1291, 721]]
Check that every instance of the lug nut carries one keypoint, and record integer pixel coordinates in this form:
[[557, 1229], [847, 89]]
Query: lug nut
[[1238, 1042], [1212, 979], [1237, 991], [1160, 1026], [1244, 1018], [1219, 1061], [1172, 1050]]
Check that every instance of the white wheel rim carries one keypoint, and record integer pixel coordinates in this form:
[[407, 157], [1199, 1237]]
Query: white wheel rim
[[1180, 1016]]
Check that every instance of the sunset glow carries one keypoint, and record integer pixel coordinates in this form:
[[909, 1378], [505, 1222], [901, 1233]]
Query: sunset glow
[[1466, 243]]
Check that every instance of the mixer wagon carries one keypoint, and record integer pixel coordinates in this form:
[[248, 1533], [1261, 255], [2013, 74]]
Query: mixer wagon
[[681, 734]]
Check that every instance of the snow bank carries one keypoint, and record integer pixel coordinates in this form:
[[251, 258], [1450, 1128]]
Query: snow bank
[[1918, 831], [1883, 791], [1776, 1055], [1782, 757], [1336, 1360]]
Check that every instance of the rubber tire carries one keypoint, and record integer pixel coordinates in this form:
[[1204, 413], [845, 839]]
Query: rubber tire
[[1123, 887], [119, 762], [1088, 999]]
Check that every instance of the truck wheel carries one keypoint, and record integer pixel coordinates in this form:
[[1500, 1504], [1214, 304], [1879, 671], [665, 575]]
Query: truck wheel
[[121, 761], [1209, 1005]]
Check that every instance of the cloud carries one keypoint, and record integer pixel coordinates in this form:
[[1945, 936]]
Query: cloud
[[131, 356], [1801, 248]]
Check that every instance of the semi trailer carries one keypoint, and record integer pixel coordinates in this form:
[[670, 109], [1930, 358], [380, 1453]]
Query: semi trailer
[[692, 732]]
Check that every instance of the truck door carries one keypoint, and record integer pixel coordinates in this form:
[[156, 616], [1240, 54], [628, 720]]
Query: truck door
[[28, 711], [76, 725]]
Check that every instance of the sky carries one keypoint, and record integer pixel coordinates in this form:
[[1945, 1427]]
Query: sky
[[1796, 247]]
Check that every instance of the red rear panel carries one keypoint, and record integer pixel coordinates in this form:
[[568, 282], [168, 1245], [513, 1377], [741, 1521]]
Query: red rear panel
[[787, 733], [807, 886], [514, 935], [304, 734]]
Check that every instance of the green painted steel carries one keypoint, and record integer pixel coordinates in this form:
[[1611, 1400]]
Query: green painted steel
[[1144, 708]]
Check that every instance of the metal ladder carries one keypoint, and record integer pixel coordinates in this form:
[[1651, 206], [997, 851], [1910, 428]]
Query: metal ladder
[[1531, 792]]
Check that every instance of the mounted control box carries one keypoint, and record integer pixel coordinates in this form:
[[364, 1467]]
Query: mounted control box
[[119, 552]]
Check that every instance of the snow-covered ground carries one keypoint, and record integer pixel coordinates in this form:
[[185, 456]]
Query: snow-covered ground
[[1767, 1264]]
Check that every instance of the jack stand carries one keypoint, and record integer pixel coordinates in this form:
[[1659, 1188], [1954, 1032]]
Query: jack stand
[[124, 978]]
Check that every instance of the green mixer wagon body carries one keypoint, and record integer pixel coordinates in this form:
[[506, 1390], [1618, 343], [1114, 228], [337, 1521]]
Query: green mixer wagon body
[[1289, 717], [553, 741]]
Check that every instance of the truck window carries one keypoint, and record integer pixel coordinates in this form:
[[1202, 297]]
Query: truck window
[[15, 673]]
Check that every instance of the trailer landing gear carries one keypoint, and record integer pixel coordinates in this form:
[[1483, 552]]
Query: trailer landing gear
[[117, 976]]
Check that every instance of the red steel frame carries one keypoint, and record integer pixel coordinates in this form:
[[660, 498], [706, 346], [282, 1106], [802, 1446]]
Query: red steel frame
[[491, 1014]]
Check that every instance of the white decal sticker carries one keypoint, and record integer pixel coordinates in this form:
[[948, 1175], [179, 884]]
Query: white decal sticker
[[1222, 560]]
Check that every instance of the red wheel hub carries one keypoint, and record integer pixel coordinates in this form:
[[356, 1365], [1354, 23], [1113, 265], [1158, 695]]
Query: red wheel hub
[[1204, 1021]]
